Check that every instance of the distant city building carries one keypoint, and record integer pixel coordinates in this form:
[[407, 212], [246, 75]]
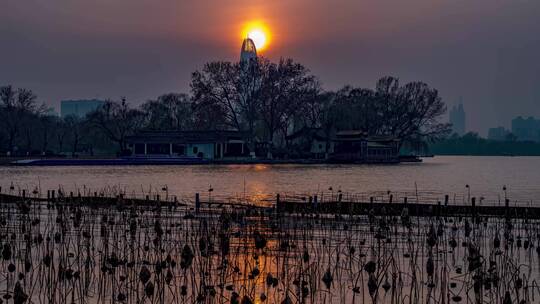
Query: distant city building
[[457, 119], [499, 133], [526, 129], [79, 108], [248, 51]]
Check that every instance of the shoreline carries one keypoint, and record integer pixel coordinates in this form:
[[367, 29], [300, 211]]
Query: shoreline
[[113, 161]]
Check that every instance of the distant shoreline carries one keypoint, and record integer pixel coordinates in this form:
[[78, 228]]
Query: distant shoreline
[[114, 161], [488, 155]]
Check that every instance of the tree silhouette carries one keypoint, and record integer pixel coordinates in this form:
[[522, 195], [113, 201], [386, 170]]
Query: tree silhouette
[[15, 106], [117, 120], [168, 112]]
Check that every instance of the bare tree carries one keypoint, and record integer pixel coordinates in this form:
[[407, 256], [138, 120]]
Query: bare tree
[[60, 133], [10, 123], [249, 87], [47, 128], [179, 110], [29, 126], [232, 90], [169, 112], [215, 87], [117, 120], [76, 132], [322, 112], [410, 113], [285, 88], [257, 92], [15, 105], [155, 114]]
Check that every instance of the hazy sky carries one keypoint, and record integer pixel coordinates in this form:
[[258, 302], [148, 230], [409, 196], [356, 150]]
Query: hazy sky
[[485, 51]]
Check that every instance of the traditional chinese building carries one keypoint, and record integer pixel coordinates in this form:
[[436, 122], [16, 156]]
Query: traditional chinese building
[[217, 144]]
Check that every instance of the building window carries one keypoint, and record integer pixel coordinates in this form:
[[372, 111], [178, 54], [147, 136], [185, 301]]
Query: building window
[[158, 149], [179, 149], [139, 148]]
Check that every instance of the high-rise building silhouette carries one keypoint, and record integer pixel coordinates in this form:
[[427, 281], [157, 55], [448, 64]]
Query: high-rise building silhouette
[[498, 133], [457, 119], [526, 129], [248, 51]]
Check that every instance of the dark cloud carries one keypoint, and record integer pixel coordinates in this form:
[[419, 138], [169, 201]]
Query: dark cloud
[[484, 51]]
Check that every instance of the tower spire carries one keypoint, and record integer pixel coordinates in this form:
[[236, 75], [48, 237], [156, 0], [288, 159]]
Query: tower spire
[[248, 51]]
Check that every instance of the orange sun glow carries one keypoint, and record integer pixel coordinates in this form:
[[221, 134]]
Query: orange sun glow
[[258, 32]]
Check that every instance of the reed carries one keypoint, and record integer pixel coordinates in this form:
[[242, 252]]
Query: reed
[[73, 248]]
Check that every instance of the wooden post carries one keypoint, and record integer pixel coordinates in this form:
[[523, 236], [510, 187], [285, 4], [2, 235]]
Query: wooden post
[[507, 209], [446, 200], [391, 198], [197, 203], [24, 194], [474, 214], [405, 200]]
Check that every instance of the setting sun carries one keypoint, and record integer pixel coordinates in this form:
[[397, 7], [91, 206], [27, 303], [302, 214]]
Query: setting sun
[[258, 37], [258, 32]]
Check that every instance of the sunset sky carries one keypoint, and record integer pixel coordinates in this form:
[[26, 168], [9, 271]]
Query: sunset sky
[[485, 51]]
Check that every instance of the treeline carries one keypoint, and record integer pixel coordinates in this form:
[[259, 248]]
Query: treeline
[[472, 144], [264, 99]]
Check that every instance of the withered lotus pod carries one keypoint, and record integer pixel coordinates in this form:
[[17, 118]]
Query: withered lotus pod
[[327, 279], [144, 275]]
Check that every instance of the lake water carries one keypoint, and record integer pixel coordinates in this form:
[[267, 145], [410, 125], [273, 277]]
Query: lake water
[[165, 255], [486, 177]]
